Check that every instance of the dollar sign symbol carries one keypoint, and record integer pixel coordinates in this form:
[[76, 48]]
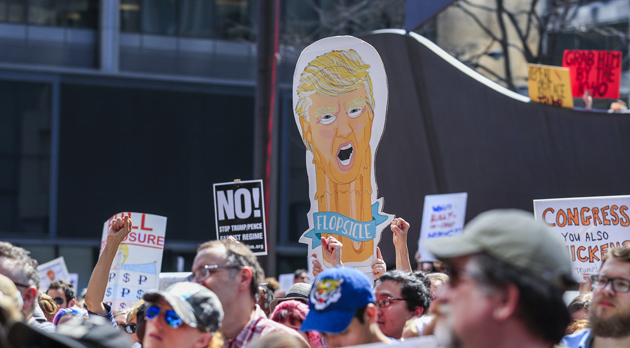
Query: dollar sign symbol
[[126, 277], [108, 292], [139, 294]]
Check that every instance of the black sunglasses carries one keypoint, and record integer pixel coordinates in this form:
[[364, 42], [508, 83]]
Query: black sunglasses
[[58, 301], [131, 328]]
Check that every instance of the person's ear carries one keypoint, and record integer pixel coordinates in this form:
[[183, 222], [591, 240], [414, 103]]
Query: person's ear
[[29, 295], [72, 303], [418, 312], [371, 314], [203, 341], [506, 302], [246, 276]]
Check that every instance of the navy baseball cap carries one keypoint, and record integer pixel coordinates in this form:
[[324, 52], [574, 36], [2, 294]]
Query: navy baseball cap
[[335, 296]]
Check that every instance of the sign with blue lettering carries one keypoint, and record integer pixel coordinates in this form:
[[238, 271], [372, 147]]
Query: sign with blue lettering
[[239, 212], [443, 216]]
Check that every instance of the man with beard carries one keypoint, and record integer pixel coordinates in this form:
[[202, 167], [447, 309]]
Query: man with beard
[[508, 274], [610, 308]]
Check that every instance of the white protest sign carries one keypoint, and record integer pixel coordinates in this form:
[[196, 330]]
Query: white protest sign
[[74, 280], [589, 226], [138, 261], [443, 216], [51, 271], [286, 280], [239, 211]]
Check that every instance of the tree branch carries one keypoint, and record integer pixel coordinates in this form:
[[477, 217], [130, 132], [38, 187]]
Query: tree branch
[[481, 7], [478, 21], [505, 47], [529, 56]]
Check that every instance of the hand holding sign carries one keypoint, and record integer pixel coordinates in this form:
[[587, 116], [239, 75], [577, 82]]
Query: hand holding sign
[[399, 227], [119, 229], [379, 267], [317, 267], [331, 248], [587, 286]]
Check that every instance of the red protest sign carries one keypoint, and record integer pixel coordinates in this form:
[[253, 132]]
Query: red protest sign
[[597, 71]]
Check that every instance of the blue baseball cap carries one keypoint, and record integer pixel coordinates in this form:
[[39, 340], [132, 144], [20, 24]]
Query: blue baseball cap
[[334, 298]]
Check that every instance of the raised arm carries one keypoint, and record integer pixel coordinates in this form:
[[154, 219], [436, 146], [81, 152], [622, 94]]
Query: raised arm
[[118, 230], [331, 248], [400, 227]]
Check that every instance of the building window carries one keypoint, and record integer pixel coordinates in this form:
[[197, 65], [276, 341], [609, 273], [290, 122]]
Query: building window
[[12, 11], [220, 19], [24, 157], [60, 13]]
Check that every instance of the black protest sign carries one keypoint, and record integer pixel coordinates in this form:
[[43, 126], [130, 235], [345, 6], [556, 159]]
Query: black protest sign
[[239, 212]]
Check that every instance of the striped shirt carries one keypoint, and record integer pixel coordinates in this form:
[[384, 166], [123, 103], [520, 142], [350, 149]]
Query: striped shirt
[[257, 327]]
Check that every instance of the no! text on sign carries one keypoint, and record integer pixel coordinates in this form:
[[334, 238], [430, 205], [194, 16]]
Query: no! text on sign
[[589, 226], [239, 212]]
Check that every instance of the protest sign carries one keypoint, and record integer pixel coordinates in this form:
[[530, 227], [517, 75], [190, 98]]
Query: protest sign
[[596, 71], [443, 216], [51, 271], [138, 261], [286, 280], [550, 85], [340, 104], [239, 212], [589, 226], [74, 280]]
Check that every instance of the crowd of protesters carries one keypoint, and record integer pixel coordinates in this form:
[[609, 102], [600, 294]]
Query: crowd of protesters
[[500, 284]]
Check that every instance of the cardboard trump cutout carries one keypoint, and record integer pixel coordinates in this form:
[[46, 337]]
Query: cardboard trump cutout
[[340, 104]]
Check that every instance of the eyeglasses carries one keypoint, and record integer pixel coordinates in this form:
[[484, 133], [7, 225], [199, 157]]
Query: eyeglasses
[[386, 302], [617, 284], [22, 285], [58, 301], [171, 318], [204, 272], [457, 275]]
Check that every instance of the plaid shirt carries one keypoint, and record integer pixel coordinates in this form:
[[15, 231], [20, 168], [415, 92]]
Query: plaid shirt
[[257, 327]]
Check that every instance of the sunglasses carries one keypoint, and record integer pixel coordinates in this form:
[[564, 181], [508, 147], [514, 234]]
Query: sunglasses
[[130, 328], [171, 318], [58, 301]]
